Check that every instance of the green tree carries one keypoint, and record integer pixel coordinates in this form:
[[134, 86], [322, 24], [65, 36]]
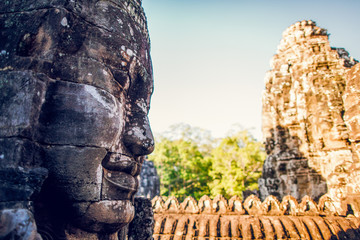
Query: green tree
[[236, 165], [191, 163], [181, 164]]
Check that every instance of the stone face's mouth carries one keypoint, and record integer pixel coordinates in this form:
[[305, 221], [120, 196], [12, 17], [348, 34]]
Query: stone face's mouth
[[121, 180], [120, 176], [121, 163]]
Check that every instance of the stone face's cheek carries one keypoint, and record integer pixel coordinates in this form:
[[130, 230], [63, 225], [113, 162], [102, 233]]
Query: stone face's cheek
[[80, 115], [75, 173]]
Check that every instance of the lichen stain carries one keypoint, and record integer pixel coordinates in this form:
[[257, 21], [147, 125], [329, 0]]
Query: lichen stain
[[64, 22], [141, 104], [139, 133], [94, 92], [43, 40], [126, 55], [98, 53], [6, 68]]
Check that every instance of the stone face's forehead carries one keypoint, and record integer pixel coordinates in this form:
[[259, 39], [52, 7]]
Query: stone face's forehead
[[91, 42]]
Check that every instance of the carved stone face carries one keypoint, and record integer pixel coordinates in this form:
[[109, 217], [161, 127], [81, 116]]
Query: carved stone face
[[88, 68], [94, 145]]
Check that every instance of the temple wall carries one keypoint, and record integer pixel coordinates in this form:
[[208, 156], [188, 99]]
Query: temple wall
[[232, 219]]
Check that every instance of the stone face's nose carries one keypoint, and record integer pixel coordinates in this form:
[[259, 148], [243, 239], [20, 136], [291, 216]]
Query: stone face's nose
[[138, 138]]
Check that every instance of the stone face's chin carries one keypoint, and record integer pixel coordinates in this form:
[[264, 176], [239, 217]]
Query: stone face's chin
[[103, 216]]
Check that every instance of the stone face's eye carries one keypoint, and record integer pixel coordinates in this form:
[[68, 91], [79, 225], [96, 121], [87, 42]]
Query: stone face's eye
[[141, 86], [122, 78]]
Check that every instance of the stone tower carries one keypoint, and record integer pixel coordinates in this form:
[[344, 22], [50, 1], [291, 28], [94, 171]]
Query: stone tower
[[149, 181], [310, 112]]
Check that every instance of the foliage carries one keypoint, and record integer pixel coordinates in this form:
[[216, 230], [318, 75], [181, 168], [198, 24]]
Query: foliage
[[182, 168], [191, 163], [236, 165]]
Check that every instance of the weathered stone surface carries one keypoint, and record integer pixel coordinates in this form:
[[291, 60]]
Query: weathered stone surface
[[142, 227], [71, 107], [149, 182], [22, 94], [309, 107], [351, 98], [75, 87], [19, 184], [75, 173], [17, 152], [252, 219], [18, 224]]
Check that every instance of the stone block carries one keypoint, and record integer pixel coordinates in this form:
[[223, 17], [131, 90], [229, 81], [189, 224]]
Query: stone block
[[19, 184], [142, 226], [22, 95], [18, 224], [17, 152]]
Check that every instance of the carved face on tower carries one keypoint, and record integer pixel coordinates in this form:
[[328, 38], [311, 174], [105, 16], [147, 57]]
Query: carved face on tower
[[85, 71]]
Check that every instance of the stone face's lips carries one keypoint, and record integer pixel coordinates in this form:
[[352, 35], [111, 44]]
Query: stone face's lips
[[121, 163], [121, 180], [120, 172]]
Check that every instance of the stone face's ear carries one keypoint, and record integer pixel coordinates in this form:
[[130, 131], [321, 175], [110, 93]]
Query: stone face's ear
[[21, 171], [19, 186], [21, 98]]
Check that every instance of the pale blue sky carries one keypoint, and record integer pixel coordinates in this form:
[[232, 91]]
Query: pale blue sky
[[210, 56]]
